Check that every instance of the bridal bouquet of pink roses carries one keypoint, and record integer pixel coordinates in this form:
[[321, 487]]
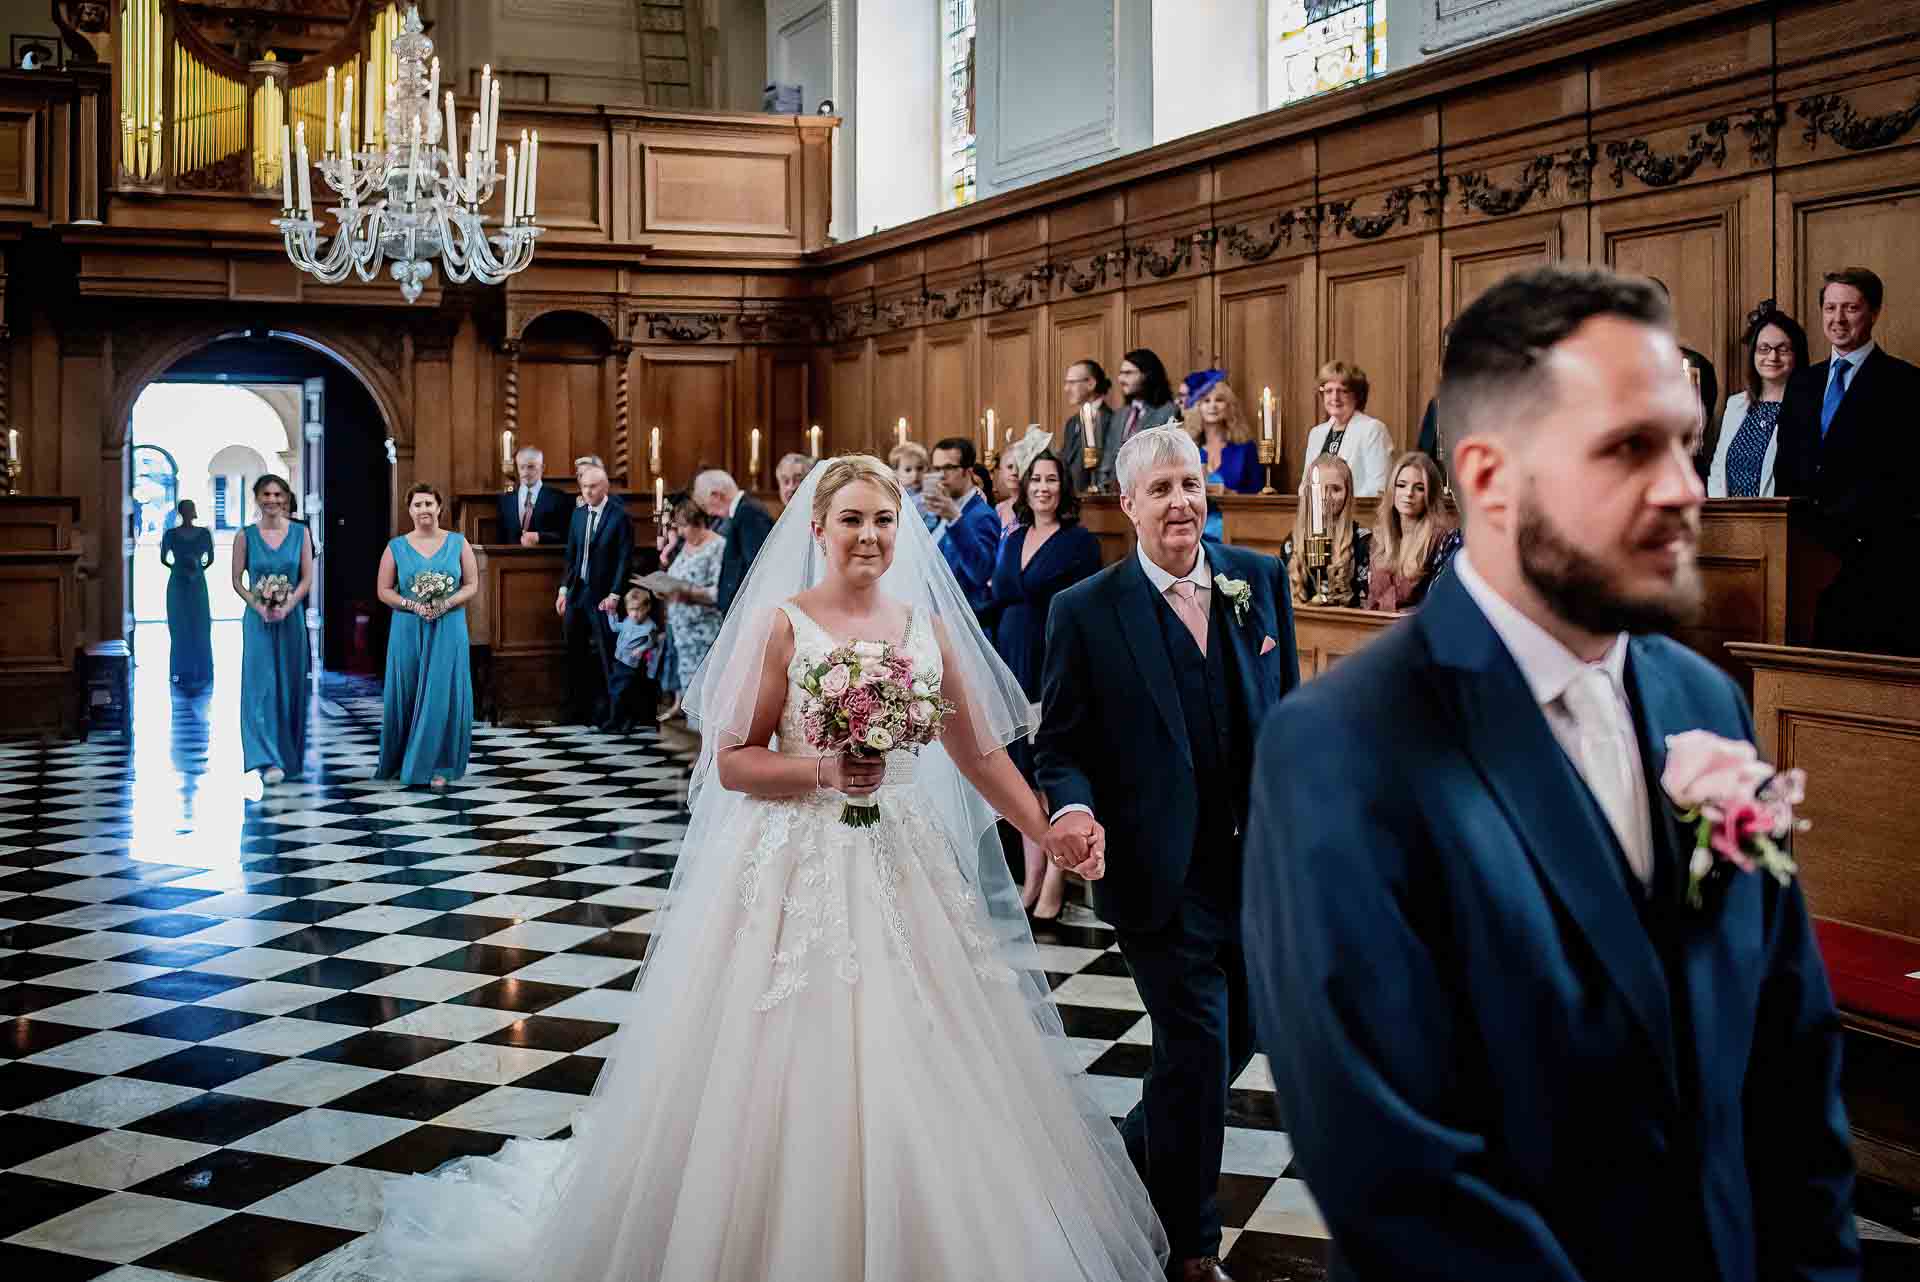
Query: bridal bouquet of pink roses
[[864, 699]]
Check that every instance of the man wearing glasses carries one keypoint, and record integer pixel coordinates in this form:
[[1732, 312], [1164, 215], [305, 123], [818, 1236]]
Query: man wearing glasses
[[966, 528]]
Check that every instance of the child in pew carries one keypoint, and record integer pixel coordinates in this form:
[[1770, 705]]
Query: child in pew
[[633, 691]]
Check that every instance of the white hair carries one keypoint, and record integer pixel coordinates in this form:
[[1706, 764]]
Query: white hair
[[806, 462], [586, 469], [530, 452], [1154, 447], [713, 481]]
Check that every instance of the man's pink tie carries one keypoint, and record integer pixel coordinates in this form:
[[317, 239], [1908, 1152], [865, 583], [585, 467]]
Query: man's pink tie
[[1186, 603]]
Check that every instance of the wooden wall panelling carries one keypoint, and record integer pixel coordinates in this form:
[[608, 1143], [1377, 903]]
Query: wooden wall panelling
[[1553, 100], [1862, 211], [899, 363], [1814, 41], [1733, 50], [1018, 377], [1080, 328], [849, 398], [576, 182], [1476, 257], [789, 406], [1265, 335], [716, 190], [21, 160], [1712, 245], [1379, 308], [1174, 319], [950, 404], [562, 409], [691, 395]]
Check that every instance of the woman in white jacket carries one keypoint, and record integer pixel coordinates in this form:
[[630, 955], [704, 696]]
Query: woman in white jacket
[[1750, 428], [1358, 439]]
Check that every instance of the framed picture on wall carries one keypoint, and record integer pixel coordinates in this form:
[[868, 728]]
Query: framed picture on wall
[[31, 53]]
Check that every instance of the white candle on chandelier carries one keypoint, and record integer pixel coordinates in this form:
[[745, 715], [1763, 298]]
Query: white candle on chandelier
[[533, 176], [508, 211], [346, 117], [373, 92], [526, 170], [330, 88], [452, 140], [473, 158], [493, 118], [286, 168], [433, 90], [486, 88]]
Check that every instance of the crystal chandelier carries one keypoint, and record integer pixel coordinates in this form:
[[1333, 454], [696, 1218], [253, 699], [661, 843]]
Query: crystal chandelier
[[408, 193]]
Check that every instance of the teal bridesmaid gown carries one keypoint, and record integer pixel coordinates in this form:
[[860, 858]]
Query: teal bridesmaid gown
[[427, 729], [189, 618], [274, 662]]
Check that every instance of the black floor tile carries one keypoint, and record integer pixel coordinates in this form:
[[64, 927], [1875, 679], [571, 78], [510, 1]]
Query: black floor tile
[[25, 967], [192, 1023], [550, 1033], [176, 955], [1097, 1022], [425, 1147], [628, 944], [248, 1248], [167, 925], [574, 1075], [363, 1010], [466, 926], [1123, 1059], [24, 1138], [487, 959], [229, 1177], [434, 899], [523, 995], [325, 941], [375, 1049], [184, 985], [338, 972], [605, 916], [24, 1036], [409, 1095], [25, 1202], [24, 1084], [207, 1067], [1275, 1257], [25, 999], [214, 1118], [33, 934], [26, 1262], [310, 911], [164, 897]]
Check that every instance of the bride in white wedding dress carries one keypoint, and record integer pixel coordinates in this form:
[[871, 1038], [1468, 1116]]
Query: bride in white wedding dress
[[840, 1061]]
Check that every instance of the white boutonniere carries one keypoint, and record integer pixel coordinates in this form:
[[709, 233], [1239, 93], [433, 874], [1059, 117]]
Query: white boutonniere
[[1237, 593]]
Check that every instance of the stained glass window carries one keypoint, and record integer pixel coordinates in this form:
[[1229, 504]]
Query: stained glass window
[[957, 160], [1323, 44]]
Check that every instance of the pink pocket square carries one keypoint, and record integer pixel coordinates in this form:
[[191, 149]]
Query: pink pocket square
[[1267, 646]]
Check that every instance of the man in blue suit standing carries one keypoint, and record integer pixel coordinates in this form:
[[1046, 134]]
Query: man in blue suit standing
[[599, 545], [967, 530], [533, 512], [1505, 1043], [1158, 671]]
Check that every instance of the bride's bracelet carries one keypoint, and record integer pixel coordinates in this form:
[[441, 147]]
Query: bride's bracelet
[[819, 772]]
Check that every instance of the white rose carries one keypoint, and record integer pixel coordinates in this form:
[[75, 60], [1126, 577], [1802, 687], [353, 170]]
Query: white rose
[[921, 713], [880, 739], [869, 649], [835, 682], [921, 689]]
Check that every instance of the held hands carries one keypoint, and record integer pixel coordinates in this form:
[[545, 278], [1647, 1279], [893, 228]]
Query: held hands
[[611, 605], [1078, 844], [530, 539], [854, 776]]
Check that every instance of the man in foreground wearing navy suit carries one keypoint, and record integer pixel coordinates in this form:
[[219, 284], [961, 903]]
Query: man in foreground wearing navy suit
[[1158, 671], [1505, 1044]]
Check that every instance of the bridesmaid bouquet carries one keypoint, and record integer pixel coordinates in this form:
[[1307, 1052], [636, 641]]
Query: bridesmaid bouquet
[[865, 700], [274, 590], [431, 588]]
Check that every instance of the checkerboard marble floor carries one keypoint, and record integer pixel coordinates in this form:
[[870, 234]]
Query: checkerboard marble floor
[[230, 1017]]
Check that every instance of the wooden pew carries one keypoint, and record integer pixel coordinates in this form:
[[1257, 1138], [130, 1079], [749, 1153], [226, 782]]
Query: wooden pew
[[39, 638], [1853, 723], [517, 624], [37, 522]]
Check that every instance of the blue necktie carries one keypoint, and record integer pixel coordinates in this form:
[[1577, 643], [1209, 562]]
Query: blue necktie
[[1836, 391]]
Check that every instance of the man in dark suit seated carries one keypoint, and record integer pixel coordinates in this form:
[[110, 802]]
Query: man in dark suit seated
[[966, 528], [533, 512], [1507, 1043], [744, 523], [1843, 430], [599, 546]]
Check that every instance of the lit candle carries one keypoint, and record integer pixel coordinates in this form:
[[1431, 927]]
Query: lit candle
[[13, 444], [306, 180], [900, 430], [452, 140], [506, 447], [526, 171], [286, 168], [659, 495], [330, 88], [1266, 413], [1319, 509], [433, 90], [493, 118], [989, 431], [486, 89], [653, 439], [753, 454], [346, 116], [473, 158], [814, 437], [513, 194]]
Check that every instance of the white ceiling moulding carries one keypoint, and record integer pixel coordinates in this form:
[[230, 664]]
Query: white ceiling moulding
[[619, 15], [1039, 114], [1447, 24]]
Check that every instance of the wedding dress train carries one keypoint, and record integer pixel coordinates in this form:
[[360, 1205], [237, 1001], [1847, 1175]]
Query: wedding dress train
[[832, 1069]]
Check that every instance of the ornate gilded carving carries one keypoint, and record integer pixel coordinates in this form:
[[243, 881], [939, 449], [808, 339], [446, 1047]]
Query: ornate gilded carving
[[689, 327], [1762, 127], [1249, 248], [1636, 157], [1834, 116], [1480, 195]]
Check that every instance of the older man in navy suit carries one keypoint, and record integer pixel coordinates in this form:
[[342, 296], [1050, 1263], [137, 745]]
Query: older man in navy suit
[[599, 545], [533, 512], [1158, 671], [1505, 1041]]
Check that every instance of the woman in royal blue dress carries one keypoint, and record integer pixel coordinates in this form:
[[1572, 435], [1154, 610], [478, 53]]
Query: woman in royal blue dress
[[1227, 450], [1047, 552], [273, 573], [427, 576], [187, 550]]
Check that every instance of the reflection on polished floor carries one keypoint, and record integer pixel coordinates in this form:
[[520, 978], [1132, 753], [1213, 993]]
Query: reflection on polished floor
[[228, 1016]]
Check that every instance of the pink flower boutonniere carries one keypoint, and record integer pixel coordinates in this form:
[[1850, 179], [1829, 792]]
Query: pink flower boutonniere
[[1739, 807]]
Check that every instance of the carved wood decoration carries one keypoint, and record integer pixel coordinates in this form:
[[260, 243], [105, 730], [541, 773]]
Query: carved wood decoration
[[1479, 194], [1831, 116], [696, 327], [623, 356], [1637, 158], [510, 398], [1252, 248]]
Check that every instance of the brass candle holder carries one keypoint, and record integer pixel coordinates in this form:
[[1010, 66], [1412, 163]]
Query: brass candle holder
[[1319, 554], [1090, 459], [1268, 452]]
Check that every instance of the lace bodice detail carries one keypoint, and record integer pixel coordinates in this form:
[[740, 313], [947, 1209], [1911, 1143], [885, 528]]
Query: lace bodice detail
[[812, 643]]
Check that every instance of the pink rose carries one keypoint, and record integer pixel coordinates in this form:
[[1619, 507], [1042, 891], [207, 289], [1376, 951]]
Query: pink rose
[[835, 682], [1703, 767], [1735, 826], [1788, 789], [921, 713], [860, 702]]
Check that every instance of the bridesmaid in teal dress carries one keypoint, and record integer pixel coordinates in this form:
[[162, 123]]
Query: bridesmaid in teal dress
[[187, 550], [275, 651], [428, 726]]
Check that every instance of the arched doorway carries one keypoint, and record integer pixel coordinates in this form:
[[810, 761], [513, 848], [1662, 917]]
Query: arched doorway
[[234, 409]]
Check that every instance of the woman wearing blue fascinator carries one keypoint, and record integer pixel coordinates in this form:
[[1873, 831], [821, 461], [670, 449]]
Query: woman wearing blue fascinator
[[1220, 428]]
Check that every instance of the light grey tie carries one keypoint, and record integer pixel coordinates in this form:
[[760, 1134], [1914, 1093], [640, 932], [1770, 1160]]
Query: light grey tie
[[1605, 765]]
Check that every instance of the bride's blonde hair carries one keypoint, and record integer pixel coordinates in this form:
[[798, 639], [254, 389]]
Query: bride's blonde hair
[[844, 471]]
